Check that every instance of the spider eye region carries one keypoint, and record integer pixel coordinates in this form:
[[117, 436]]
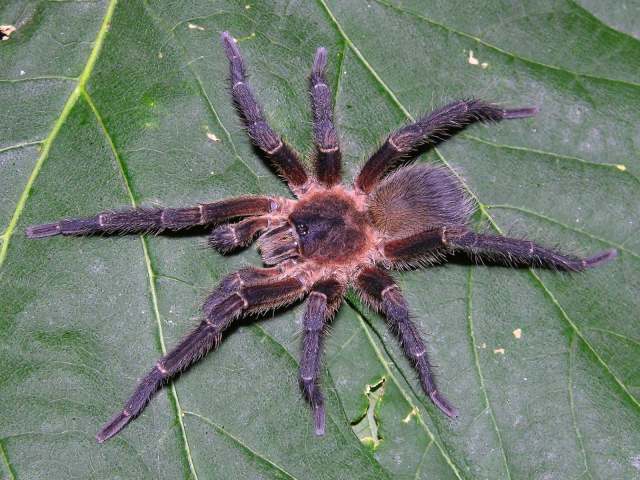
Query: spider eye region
[[302, 229], [328, 228]]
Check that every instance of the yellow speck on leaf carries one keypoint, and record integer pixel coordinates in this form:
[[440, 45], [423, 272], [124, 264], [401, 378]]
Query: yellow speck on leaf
[[411, 414], [621, 167], [473, 60], [499, 351], [247, 7], [517, 333]]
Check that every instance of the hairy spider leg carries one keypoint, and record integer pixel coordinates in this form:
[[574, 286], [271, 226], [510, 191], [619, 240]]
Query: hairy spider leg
[[512, 250], [223, 306], [285, 160], [328, 156], [379, 290], [157, 219], [230, 236], [324, 300], [431, 129]]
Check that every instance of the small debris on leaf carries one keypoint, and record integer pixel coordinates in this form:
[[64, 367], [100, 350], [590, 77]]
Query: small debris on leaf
[[474, 61], [411, 414], [213, 137], [6, 31], [499, 351], [193, 26], [621, 167], [517, 333]]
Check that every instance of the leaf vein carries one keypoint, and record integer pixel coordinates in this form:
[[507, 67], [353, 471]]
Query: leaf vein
[[57, 126], [501, 50], [474, 348], [574, 417], [365, 327], [5, 460], [239, 442], [551, 154], [202, 92], [152, 280], [21, 145], [546, 218]]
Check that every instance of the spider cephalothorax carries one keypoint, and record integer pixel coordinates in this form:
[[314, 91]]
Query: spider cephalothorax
[[331, 237]]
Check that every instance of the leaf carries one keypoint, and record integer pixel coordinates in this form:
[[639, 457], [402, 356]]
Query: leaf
[[110, 104]]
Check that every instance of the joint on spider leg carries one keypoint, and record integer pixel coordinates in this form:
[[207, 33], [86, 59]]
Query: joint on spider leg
[[275, 149], [161, 368]]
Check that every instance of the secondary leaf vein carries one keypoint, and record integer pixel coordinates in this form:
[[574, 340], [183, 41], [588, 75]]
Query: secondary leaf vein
[[151, 277]]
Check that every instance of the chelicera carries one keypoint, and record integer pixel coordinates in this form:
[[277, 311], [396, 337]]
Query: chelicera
[[330, 237]]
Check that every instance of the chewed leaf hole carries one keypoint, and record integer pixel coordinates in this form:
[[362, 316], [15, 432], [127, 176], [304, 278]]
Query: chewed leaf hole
[[366, 427]]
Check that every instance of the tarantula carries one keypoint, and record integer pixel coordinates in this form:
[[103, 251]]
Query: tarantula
[[331, 237]]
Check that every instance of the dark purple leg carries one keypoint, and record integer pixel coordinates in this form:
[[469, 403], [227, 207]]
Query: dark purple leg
[[232, 299], [379, 289], [328, 156], [511, 250], [437, 126], [283, 157], [226, 238], [324, 300], [156, 219]]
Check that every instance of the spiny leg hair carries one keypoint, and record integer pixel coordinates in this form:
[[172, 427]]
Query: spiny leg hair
[[437, 126], [222, 307], [515, 251], [231, 236], [328, 156], [379, 290], [155, 220], [282, 156], [324, 300]]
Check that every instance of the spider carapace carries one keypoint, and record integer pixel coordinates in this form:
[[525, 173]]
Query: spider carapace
[[332, 236]]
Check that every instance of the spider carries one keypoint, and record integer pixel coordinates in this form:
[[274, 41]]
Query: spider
[[332, 236]]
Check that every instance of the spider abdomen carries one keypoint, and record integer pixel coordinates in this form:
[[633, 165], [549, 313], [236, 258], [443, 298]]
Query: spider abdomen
[[418, 197]]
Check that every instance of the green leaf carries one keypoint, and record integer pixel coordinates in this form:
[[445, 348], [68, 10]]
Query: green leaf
[[109, 104]]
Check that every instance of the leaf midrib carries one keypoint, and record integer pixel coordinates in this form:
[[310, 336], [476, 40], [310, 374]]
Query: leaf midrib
[[48, 142]]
